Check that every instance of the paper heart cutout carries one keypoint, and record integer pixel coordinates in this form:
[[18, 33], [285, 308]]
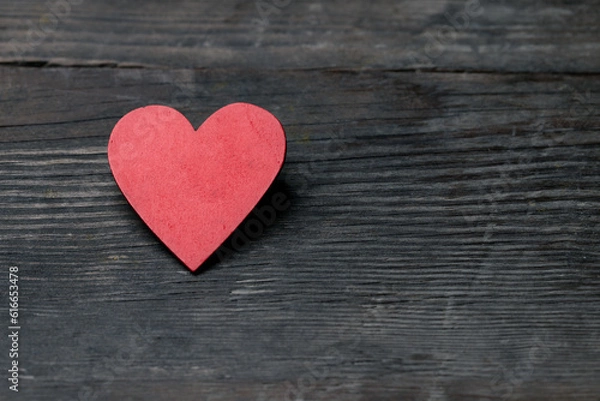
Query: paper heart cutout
[[194, 187]]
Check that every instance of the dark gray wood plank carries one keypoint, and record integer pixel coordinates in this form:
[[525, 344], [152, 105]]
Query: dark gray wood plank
[[441, 244], [480, 35]]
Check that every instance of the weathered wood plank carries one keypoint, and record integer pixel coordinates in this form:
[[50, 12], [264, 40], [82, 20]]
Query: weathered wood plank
[[442, 241], [481, 35]]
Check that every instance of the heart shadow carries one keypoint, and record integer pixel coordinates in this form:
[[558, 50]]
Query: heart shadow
[[273, 205]]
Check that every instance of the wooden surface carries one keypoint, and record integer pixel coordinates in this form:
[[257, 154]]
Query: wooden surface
[[442, 239]]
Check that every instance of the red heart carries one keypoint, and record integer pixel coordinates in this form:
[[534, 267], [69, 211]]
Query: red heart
[[194, 187]]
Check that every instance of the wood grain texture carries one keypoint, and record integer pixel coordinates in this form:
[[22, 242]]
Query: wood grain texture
[[436, 241], [489, 35], [442, 239]]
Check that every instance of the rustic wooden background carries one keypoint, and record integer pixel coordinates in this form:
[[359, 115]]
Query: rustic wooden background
[[443, 237]]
